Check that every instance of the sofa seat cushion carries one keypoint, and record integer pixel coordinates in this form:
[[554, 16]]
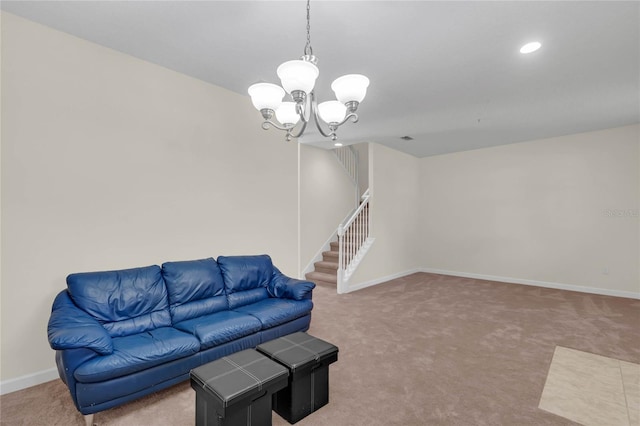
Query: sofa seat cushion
[[221, 327], [272, 312], [138, 352]]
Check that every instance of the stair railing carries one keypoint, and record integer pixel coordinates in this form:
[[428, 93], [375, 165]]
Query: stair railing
[[348, 157], [353, 241]]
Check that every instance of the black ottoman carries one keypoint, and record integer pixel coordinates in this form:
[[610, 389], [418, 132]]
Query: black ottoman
[[307, 359], [236, 389]]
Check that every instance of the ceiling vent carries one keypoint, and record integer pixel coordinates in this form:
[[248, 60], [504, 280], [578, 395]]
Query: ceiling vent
[[406, 138]]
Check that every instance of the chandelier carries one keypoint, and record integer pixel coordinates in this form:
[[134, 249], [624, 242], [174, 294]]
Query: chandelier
[[298, 78]]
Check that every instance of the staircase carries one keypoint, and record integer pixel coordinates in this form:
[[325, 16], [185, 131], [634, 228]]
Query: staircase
[[351, 241], [344, 256], [326, 271]]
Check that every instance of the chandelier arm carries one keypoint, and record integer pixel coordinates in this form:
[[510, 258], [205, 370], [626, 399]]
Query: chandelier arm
[[302, 108], [322, 132], [268, 123], [314, 108], [301, 131], [352, 115]]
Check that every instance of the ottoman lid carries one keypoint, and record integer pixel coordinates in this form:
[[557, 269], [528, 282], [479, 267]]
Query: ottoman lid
[[238, 375], [298, 349]]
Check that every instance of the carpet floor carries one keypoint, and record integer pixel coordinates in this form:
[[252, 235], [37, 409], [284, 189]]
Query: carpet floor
[[424, 349]]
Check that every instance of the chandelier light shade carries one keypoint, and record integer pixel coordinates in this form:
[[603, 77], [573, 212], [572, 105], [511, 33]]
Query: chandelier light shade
[[266, 96], [298, 77], [287, 114], [332, 112], [350, 88]]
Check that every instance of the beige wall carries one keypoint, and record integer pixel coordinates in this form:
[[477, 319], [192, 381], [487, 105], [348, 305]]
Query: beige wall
[[394, 178], [545, 211], [327, 195], [112, 162]]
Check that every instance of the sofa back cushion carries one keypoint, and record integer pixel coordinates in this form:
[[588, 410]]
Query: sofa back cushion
[[125, 302], [246, 278], [195, 288]]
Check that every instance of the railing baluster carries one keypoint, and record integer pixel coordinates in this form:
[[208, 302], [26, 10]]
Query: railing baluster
[[352, 236]]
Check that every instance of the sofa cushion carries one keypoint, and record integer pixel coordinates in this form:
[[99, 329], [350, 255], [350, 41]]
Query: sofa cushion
[[243, 273], [215, 329], [125, 302], [272, 312], [195, 288], [247, 297], [138, 352], [72, 328]]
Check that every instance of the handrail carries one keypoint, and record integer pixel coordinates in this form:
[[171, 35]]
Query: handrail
[[353, 240], [363, 203], [348, 157]]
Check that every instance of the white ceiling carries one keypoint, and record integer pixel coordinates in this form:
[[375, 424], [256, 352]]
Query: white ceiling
[[449, 74]]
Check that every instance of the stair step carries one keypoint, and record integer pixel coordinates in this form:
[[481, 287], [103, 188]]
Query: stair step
[[327, 264], [325, 284], [330, 268], [319, 276], [330, 255], [357, 227], [335, 245], [326, 267], [356, 238]]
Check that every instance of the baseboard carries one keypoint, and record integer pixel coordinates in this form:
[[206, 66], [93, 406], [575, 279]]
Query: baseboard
[[546, 284], [381, 280], [19, 383]]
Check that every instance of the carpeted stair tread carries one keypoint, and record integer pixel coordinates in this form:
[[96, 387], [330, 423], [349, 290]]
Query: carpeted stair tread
[[325, 284], [334, 245], [327, 265], [328, 278], [330, 255]]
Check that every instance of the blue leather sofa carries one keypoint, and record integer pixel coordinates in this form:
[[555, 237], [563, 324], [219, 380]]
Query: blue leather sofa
[[120, 335]]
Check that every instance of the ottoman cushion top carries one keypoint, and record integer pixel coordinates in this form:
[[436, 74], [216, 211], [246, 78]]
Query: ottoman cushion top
[[242, 374], [298, 349]]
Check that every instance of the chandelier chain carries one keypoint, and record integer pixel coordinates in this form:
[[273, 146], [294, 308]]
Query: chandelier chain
[[307, 48]]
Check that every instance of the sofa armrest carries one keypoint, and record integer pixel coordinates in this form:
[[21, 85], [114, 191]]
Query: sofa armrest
[[289, 288], [72, 328]]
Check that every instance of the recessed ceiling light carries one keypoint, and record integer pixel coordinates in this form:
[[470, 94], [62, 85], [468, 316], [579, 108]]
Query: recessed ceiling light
[[337, 144], [406, 138], [530, 47]]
